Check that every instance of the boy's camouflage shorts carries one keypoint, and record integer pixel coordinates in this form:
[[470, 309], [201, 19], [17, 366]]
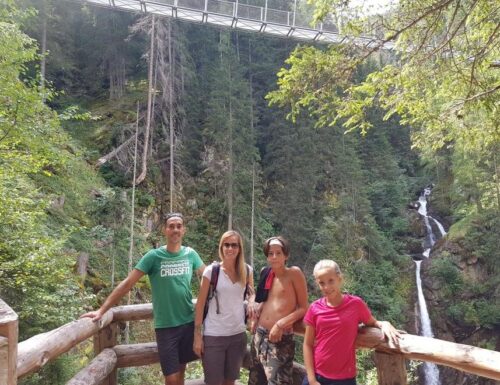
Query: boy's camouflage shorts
[[272, 363]]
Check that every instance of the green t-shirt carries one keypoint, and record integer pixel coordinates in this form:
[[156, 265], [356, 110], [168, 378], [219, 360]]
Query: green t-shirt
[[170, 276]]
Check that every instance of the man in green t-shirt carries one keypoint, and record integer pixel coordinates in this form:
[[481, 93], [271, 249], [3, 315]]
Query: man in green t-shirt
[[170, 269]]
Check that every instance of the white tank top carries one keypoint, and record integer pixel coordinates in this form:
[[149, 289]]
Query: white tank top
[[231, 317]]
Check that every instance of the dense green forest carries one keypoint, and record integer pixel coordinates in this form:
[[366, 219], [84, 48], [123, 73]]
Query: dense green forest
[[329, 146]]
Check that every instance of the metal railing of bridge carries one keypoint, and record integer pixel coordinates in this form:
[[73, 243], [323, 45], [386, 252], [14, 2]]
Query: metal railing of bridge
[[283, 19]]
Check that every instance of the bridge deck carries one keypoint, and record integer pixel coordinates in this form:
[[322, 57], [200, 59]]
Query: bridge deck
[[233, 14]]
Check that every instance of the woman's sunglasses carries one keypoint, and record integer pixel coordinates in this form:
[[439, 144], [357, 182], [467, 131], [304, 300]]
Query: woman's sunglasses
[[231, 245]]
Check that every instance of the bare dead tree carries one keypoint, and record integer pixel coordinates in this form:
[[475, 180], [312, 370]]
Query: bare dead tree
[[132, 218], [144, 170], [165, 117], [43, 55], [171, 114], [110, 155]]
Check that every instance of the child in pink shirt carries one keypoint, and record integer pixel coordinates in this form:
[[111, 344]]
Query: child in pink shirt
[[331, 329]]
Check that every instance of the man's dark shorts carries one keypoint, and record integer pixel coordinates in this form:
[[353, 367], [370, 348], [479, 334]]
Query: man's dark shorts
[[175, 347]]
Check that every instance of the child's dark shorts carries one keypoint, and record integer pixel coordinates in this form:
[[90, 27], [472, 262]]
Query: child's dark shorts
[[175, 347]]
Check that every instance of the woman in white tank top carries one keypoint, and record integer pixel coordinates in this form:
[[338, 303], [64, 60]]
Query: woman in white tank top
[[220, 338]]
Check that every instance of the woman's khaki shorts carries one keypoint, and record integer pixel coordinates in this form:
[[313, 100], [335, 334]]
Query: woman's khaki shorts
[[223, 357]]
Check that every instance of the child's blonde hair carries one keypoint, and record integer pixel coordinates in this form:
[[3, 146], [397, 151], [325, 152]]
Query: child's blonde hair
[[326, 264]]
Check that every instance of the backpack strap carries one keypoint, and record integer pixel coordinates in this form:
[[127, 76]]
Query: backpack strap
[[262, 292], [245, 294], [246, 285], [214, 278]]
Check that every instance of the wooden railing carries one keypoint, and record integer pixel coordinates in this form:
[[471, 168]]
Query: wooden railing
[[20, 359]]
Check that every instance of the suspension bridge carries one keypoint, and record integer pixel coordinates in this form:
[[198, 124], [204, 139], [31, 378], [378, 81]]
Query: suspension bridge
[[286, 19]]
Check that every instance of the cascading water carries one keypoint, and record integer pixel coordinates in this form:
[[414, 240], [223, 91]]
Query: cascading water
[[431, 371], [422, 210], [439, 225]]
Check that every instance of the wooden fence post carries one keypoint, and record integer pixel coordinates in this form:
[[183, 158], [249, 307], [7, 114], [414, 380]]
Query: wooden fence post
[[391, 369], [107, 338], [8, 344]]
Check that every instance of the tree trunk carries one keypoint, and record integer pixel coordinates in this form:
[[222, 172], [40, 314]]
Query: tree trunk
[[104, 159], [231, 154], [116, 70], [132, 219], [82, 264], [43, 61], [171, 114], [142, 175], [252, 219], [496, 179], [153, 118]]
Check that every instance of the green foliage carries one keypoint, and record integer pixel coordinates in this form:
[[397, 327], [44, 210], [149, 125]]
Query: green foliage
[[472, 303], [482, 240], [377, 284], [460, 228], [350, 234], [448, 273], [293, 174], [388, 188], [228, 134], [367, 373], [476, 313], [141, 375], [74, 113], [480, 303], [194, 370], [35, 274], [59, 371], [444, 83], [333, 195], [477, 233], [307, 81], [222, 157], [488, 314]]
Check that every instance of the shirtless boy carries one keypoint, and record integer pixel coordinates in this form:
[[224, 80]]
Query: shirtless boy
[[273, 347]]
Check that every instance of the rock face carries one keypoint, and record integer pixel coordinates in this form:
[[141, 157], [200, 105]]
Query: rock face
[[463, 298]]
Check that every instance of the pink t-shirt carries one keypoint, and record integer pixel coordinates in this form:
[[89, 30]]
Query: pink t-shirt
[[336, 328]]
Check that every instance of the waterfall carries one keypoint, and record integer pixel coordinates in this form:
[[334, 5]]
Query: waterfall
[[422, 210], [430, 239], [430, 370], [440, 226]]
